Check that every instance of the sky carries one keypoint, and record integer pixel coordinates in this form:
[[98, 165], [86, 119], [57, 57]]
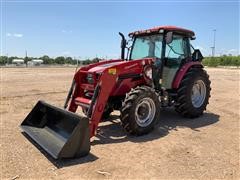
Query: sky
[[88, 29]]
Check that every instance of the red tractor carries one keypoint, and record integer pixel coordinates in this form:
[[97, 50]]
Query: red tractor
[[160, 69]]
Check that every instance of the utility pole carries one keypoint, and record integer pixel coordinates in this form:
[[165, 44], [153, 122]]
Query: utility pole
[[7, 59], [80, 62], [214, 43], [26, 58]]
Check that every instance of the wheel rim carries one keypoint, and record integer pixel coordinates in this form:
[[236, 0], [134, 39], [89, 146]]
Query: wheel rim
[[145, 112], [198, 93]]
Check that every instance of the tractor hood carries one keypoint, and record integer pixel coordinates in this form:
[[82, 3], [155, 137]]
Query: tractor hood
[[101, 67]]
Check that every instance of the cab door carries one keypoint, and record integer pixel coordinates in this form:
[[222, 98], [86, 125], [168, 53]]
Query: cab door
[[176, 53]]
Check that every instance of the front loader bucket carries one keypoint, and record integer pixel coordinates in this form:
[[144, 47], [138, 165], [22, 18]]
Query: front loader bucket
[[61, 133]]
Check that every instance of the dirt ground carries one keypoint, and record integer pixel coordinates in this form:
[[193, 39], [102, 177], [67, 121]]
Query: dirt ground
[[206, 147]]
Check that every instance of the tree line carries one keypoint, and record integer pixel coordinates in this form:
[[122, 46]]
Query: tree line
[[48, 60], [222, 61], [207, 61]]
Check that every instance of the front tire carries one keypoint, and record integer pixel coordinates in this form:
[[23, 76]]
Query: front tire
[[193, 93], [140, 110]]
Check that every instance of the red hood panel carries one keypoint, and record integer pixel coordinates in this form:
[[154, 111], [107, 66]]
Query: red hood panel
[[102, 67]]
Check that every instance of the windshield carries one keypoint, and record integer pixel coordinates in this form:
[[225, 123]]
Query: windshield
[[147, 46]]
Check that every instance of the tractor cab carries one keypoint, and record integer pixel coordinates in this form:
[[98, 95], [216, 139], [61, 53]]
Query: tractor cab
[[165, 42], [169, 46]]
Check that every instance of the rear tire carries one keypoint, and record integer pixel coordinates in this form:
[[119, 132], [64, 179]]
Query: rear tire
[[193, 93], [140, 110]]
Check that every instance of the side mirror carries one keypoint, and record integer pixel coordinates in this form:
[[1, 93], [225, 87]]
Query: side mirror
[[197, 55], [169, 37]]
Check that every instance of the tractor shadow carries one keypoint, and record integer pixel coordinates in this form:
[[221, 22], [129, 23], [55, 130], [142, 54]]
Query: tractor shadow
[[170, 121], [74, 161]]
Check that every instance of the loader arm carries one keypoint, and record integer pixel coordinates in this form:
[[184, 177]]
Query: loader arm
[[106, 84], [103, 89]]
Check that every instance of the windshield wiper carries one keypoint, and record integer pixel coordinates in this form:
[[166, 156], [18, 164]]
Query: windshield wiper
[[174, 50]]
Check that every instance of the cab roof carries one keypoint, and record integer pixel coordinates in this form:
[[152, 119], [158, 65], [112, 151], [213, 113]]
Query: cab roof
[[184, 31]]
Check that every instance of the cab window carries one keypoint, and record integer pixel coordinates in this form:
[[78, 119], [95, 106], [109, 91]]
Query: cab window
[[178, 48]]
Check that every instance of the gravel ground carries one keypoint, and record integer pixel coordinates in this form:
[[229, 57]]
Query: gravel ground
[[206, 147]]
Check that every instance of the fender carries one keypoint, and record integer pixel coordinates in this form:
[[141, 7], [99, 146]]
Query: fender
[[179, 75]]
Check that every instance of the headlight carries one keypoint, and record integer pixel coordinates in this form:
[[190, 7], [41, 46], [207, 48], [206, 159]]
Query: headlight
[[148, 72]]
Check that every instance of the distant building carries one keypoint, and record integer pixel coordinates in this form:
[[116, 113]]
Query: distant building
[[35, 62], [18, 62]]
